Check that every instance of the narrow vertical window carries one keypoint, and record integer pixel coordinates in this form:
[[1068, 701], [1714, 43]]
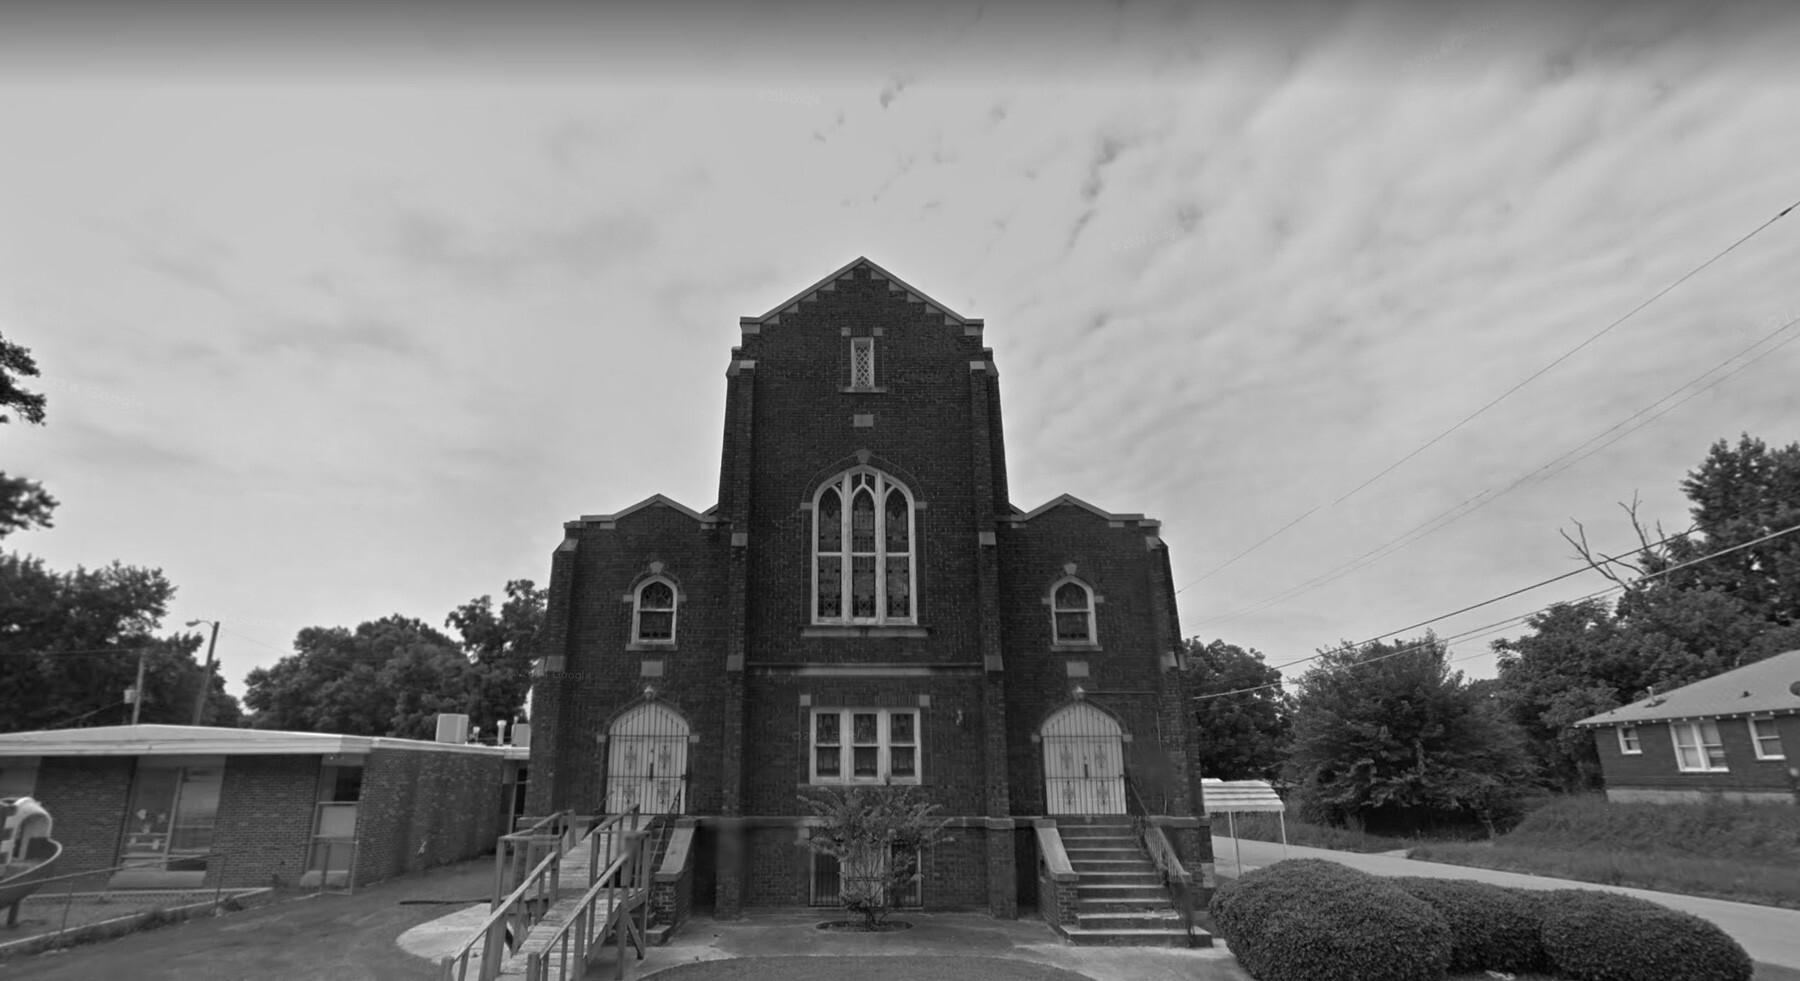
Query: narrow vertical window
[[655, 612], [831, 555], [827, 747], [863, 550], [1628, 741], [862, 362]]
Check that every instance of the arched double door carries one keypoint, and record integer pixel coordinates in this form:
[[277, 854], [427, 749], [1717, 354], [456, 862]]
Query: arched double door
[[1084, 762], [647, 761]]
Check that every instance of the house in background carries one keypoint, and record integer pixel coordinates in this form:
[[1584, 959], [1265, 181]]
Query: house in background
[[1735, 735], [194, 806], [863, 606]]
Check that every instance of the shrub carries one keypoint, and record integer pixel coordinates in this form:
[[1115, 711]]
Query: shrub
[[1491, 927], [1311, 920], [1602, 936]]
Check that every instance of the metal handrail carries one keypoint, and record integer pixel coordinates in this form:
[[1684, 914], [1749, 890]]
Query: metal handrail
[[1175, 877], [625, 884], [511, 916]]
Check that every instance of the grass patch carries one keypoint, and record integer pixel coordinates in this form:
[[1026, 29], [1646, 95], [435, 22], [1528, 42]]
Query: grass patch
[[1265, 826], [1734, 879], [1744, 852], [1755, 832]]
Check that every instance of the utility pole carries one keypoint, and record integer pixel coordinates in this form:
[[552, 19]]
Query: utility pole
[[205, 674], [137, 694]]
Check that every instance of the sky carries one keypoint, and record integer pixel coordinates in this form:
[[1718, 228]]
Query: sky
[[342, 310]]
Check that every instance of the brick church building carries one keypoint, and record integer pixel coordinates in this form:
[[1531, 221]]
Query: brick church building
[[864, 605]]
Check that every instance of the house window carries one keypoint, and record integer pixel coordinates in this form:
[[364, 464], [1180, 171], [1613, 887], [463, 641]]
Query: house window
[[1628, 741], [865, 746], [863, 550], [1766, 740], [862, 362], [1697, 747], [654, 622], [1072, 610]]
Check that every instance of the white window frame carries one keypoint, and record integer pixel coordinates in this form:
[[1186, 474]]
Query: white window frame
[[883, 483], [1699, 746], [1756, 739], [846, 747], [637, 611], [1093, 633], [1630, 745], [862, 344]]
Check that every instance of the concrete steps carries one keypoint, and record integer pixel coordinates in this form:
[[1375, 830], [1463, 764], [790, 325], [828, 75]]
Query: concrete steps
[[1121, 901]]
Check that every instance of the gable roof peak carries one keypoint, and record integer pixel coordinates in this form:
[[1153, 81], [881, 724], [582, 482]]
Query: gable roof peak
[[846, 271]]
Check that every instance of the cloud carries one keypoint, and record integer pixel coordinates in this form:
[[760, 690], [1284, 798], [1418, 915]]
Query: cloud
[[330, 338], [584, 246]]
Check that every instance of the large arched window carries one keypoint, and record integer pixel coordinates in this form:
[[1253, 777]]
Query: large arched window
[[863, 550], [653, 615]]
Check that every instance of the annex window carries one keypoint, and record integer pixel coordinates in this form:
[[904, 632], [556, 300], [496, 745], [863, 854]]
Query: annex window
[[863, 550], [1628, 741], [1766, 739], [1697, 746], [862, 362], [865, 746], [1072, 611], [654, 616]]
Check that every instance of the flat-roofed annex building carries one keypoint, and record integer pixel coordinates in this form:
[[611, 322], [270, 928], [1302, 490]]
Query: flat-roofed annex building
[[865, 605]]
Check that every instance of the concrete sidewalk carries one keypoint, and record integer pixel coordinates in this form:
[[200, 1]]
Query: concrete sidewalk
[[794, 933], [1770, 934]]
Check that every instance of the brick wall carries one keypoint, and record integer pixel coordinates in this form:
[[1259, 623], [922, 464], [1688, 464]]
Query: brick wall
[[1655, 768], [86, 797], [422, 808], [265, 820]]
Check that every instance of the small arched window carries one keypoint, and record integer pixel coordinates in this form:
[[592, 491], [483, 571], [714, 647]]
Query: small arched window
[[1072, 612], [863, 550], [653, 618]]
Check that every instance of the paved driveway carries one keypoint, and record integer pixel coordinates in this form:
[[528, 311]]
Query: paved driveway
[[1770, 934], [317, 938]]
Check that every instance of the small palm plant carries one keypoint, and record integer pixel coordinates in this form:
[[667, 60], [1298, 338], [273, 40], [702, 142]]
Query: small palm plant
[[863, 828]]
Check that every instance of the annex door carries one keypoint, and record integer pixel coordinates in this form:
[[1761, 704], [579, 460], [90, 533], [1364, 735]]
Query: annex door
[[1084, 762], [646, 761]]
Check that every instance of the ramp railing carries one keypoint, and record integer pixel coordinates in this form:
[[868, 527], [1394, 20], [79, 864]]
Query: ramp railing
[[1175, 877], [618, 900]]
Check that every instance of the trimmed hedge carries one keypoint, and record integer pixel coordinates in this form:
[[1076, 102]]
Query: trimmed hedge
[[1308, 919], [1491, 927], [1605, 936]]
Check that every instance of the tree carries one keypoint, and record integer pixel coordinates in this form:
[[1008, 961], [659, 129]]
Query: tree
[[1243, 735], [1387, 735], [1683, 615], [502, 648], [69, 646], [872, 832], [388, 677], [23, 503]]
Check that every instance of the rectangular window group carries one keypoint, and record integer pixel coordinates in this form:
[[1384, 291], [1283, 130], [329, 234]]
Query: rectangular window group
[[865, 746], [1698, 748]]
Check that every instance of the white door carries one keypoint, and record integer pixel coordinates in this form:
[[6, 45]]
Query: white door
[[646, 763], [1084, 762]]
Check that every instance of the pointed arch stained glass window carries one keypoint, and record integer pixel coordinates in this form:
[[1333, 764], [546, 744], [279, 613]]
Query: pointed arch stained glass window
[[864, 554]]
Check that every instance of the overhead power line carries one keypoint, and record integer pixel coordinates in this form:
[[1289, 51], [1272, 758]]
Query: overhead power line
[[1502, 624], [1506, 394], [1542, 473]]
